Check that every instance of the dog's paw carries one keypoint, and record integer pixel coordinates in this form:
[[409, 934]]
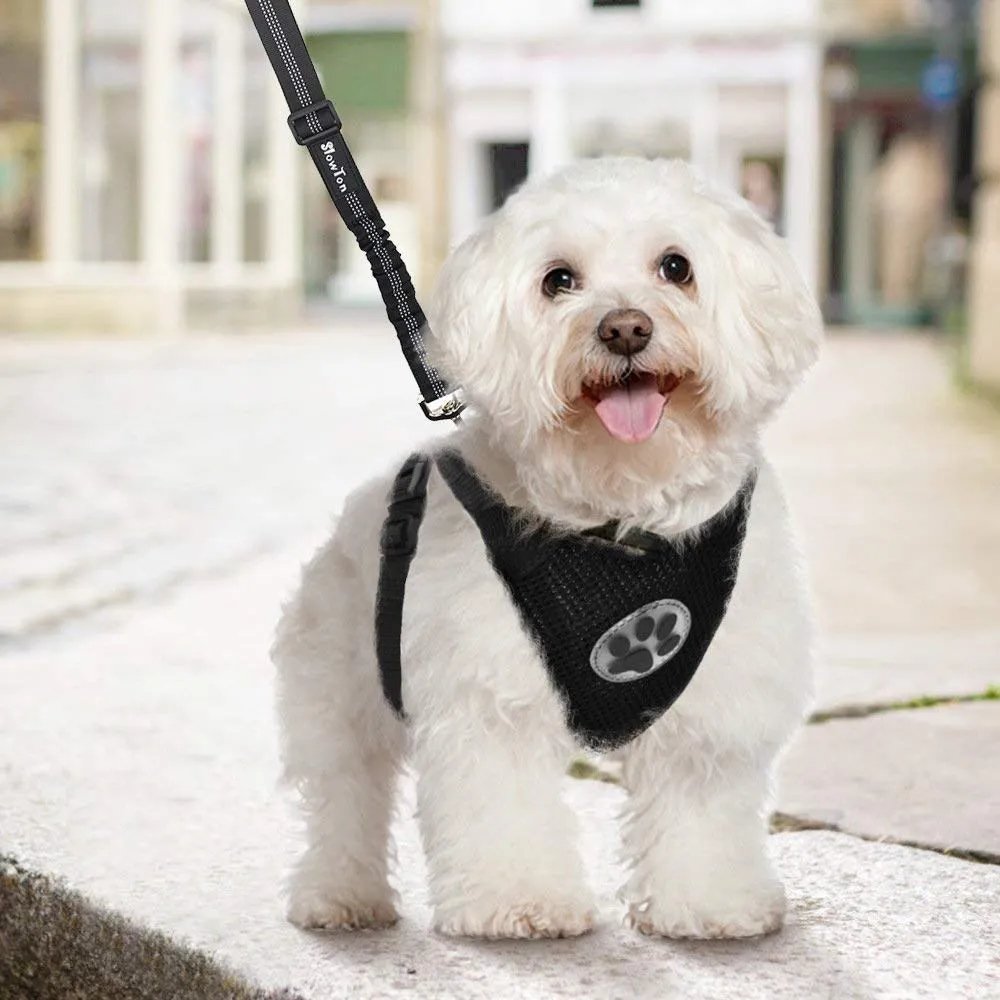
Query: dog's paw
[[742, 914], [519, 920], [317, 911]]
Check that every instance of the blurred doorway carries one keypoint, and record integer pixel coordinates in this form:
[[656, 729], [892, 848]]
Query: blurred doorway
[[508, 169], [900, 185]]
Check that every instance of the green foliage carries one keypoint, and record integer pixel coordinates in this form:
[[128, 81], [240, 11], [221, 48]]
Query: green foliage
[[586, 771], [991, 693]]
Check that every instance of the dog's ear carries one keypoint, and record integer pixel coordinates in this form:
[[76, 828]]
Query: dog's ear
[[764, 314], [466, 306], [482, 316]]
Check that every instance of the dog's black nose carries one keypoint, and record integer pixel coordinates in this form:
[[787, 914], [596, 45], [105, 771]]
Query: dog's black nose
[[625, 331]]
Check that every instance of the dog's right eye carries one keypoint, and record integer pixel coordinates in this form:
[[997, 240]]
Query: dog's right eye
[[559, 279]]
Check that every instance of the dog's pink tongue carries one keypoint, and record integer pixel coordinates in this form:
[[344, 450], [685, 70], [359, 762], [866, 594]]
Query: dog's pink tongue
[[631, 412]]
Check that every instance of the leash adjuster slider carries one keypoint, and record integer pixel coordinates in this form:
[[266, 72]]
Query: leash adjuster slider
[[323, 112]]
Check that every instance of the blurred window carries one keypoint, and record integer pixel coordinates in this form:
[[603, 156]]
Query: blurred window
[[366, 73], [110, 100], [255, 163], [197, 96], [20, 129]]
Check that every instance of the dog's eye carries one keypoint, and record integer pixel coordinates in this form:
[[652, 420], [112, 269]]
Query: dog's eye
[[676, 269], [559, 279]]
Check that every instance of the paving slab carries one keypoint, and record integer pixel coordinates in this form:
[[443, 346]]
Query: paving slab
[[893, 476], [879, 669], [141, 764], [923, 775], [130, 467]]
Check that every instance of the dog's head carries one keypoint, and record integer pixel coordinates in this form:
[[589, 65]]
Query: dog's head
[[624, 315]]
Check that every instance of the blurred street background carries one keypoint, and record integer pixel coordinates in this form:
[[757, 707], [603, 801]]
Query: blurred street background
[[195, 370], [147, 182]]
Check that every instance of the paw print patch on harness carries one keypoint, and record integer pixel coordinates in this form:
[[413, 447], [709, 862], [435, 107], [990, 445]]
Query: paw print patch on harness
[[642, 643]]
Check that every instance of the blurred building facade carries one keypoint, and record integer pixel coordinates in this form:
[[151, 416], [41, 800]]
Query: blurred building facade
[[147, 176], [901, 156], [144, 167], [730, 85], [984, 285], [148, 180]]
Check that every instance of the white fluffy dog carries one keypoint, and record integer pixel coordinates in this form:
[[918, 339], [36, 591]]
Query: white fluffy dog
[[655, 424]]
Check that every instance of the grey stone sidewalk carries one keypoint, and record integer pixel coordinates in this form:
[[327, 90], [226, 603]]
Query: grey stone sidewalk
[[130, 468], [140, 763], [894, 478], [155, 501]]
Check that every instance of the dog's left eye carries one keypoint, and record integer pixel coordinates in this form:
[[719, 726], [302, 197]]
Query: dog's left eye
[[676, 268], [559, 279]]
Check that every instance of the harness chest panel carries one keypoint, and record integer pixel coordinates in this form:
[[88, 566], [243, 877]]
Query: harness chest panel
[[622, 625]]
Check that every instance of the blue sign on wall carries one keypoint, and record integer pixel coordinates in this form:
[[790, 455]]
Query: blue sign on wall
[[941, 83]]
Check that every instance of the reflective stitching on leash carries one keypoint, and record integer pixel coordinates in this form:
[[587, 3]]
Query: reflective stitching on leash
[[288, 58]]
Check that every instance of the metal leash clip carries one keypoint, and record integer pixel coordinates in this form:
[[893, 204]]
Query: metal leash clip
[[448, 407]]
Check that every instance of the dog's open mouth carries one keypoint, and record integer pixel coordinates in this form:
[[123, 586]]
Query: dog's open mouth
[[631, 407]]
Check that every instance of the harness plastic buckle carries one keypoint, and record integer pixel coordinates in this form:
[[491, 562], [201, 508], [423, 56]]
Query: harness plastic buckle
[[399, 535], [411, 483], [448, 407], [322, 112]]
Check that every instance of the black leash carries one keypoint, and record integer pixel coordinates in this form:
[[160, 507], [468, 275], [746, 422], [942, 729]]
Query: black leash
[[315, 124]]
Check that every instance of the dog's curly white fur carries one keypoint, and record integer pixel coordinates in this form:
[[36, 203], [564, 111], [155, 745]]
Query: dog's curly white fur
[[486, 732]]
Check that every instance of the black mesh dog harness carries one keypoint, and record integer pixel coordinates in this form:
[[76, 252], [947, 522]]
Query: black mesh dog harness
[[622, 624]]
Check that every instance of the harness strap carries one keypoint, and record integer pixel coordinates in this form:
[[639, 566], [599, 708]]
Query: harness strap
[[493, 517], [542, 568], [399, 545], [485, 507], [316, 125]]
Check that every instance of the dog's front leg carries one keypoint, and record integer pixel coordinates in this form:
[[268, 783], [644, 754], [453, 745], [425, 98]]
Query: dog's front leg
[[500, 841], [696, 836]]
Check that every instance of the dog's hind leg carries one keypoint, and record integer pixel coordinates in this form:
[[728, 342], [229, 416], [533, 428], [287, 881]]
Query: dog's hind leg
[[341, 748]]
